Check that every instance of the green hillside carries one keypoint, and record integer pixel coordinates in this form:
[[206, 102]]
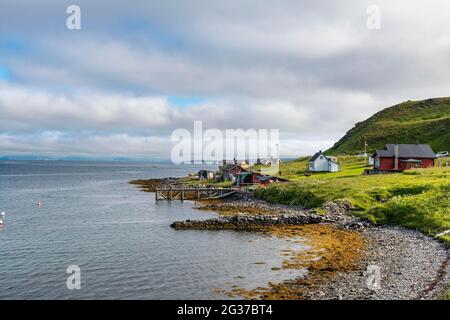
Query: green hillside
[[426, 121]]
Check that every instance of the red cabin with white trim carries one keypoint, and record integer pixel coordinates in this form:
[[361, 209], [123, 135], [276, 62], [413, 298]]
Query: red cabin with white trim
[[399, 157]]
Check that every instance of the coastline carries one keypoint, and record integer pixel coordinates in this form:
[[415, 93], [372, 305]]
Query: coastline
[[412, 265]]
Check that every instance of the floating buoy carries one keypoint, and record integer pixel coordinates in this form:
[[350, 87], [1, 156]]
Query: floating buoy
[[39, 204]]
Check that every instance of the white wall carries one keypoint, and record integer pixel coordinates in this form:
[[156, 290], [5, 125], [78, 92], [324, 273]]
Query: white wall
[[320, 164], [334, 167]]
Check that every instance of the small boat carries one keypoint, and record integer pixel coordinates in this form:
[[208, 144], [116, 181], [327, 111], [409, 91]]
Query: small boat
[[1, 222], [2, 214]]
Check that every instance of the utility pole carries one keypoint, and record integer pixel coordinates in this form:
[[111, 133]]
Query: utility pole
[[278, 160], [365, 152], [278, 153]]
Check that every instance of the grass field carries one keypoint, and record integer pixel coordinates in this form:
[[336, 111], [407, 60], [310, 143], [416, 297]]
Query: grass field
[[418, 199], [193, 181]]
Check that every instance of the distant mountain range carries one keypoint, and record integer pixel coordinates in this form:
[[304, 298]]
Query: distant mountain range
[[76, 158], [425, 121]]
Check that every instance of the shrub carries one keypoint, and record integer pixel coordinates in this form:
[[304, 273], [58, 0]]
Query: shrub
[[290, 195], [427, 211]]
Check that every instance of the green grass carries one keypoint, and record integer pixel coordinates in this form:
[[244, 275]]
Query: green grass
[[427, 121], [417, 199], [194, 181], [295, 170], [445, 296]]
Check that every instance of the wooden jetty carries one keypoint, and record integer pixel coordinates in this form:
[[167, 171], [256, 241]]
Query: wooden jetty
[[192, 193]]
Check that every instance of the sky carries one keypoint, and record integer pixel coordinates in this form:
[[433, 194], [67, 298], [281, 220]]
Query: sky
[[136, 71]]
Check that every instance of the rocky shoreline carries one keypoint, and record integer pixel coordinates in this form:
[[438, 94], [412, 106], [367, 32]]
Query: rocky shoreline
[[411, 265], [150, 185]]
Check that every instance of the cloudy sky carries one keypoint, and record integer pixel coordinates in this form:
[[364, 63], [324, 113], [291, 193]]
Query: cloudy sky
[[138, 70]]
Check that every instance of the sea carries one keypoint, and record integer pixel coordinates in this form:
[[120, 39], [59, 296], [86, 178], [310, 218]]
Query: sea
[[80, 230]]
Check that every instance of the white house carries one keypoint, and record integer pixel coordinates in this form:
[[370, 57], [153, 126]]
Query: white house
[[321, 163]]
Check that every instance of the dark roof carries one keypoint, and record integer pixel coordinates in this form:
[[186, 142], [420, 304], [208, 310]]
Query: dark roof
[[407, 151], [383, 153], [314, 157], [318, 154], [332, 160], [204, 171], [229, 167], [265, 178]]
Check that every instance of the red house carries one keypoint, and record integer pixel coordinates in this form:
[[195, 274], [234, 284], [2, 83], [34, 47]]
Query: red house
[[399, 157], [230, 171]]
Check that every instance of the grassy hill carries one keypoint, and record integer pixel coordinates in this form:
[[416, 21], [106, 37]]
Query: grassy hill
[[426, 121]]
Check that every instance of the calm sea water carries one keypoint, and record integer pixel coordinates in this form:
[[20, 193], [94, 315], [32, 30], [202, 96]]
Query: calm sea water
[[119, 237]]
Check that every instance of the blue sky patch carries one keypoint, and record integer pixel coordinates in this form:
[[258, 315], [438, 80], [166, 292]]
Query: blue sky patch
[[163, 36], [184, 101], [9, 44], [5, 74]]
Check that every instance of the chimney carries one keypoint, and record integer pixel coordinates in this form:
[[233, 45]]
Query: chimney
[[396, 157], [224, 162], [235, 161]]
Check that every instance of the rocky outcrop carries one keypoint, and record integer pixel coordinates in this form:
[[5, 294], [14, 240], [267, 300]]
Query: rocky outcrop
[[243, 221], [243, 211], [150, 185]]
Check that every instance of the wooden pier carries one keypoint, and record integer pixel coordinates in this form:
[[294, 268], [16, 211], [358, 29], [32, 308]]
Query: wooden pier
[[192, 193]]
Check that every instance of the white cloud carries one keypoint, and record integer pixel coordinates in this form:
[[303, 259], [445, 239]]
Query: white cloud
[[31, 109], [312, 69]]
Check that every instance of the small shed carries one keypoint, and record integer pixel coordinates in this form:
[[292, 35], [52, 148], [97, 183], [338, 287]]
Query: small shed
[[248, 178], [244, 178], [321, 163], [261, 161], [205, 174]]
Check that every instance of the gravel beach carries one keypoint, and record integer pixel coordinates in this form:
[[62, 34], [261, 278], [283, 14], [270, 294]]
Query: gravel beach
[[411, 265], [404, 264]]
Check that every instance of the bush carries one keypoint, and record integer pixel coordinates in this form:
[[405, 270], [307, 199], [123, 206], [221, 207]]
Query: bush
[[427, 211], [290, 195]]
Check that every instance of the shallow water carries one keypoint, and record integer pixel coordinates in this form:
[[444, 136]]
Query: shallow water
[[120, 238]]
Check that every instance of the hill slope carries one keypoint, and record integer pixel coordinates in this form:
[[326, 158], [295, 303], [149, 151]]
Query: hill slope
[[426, 121]]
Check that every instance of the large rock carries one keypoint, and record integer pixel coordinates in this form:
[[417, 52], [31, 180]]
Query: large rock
[[248, 221]]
